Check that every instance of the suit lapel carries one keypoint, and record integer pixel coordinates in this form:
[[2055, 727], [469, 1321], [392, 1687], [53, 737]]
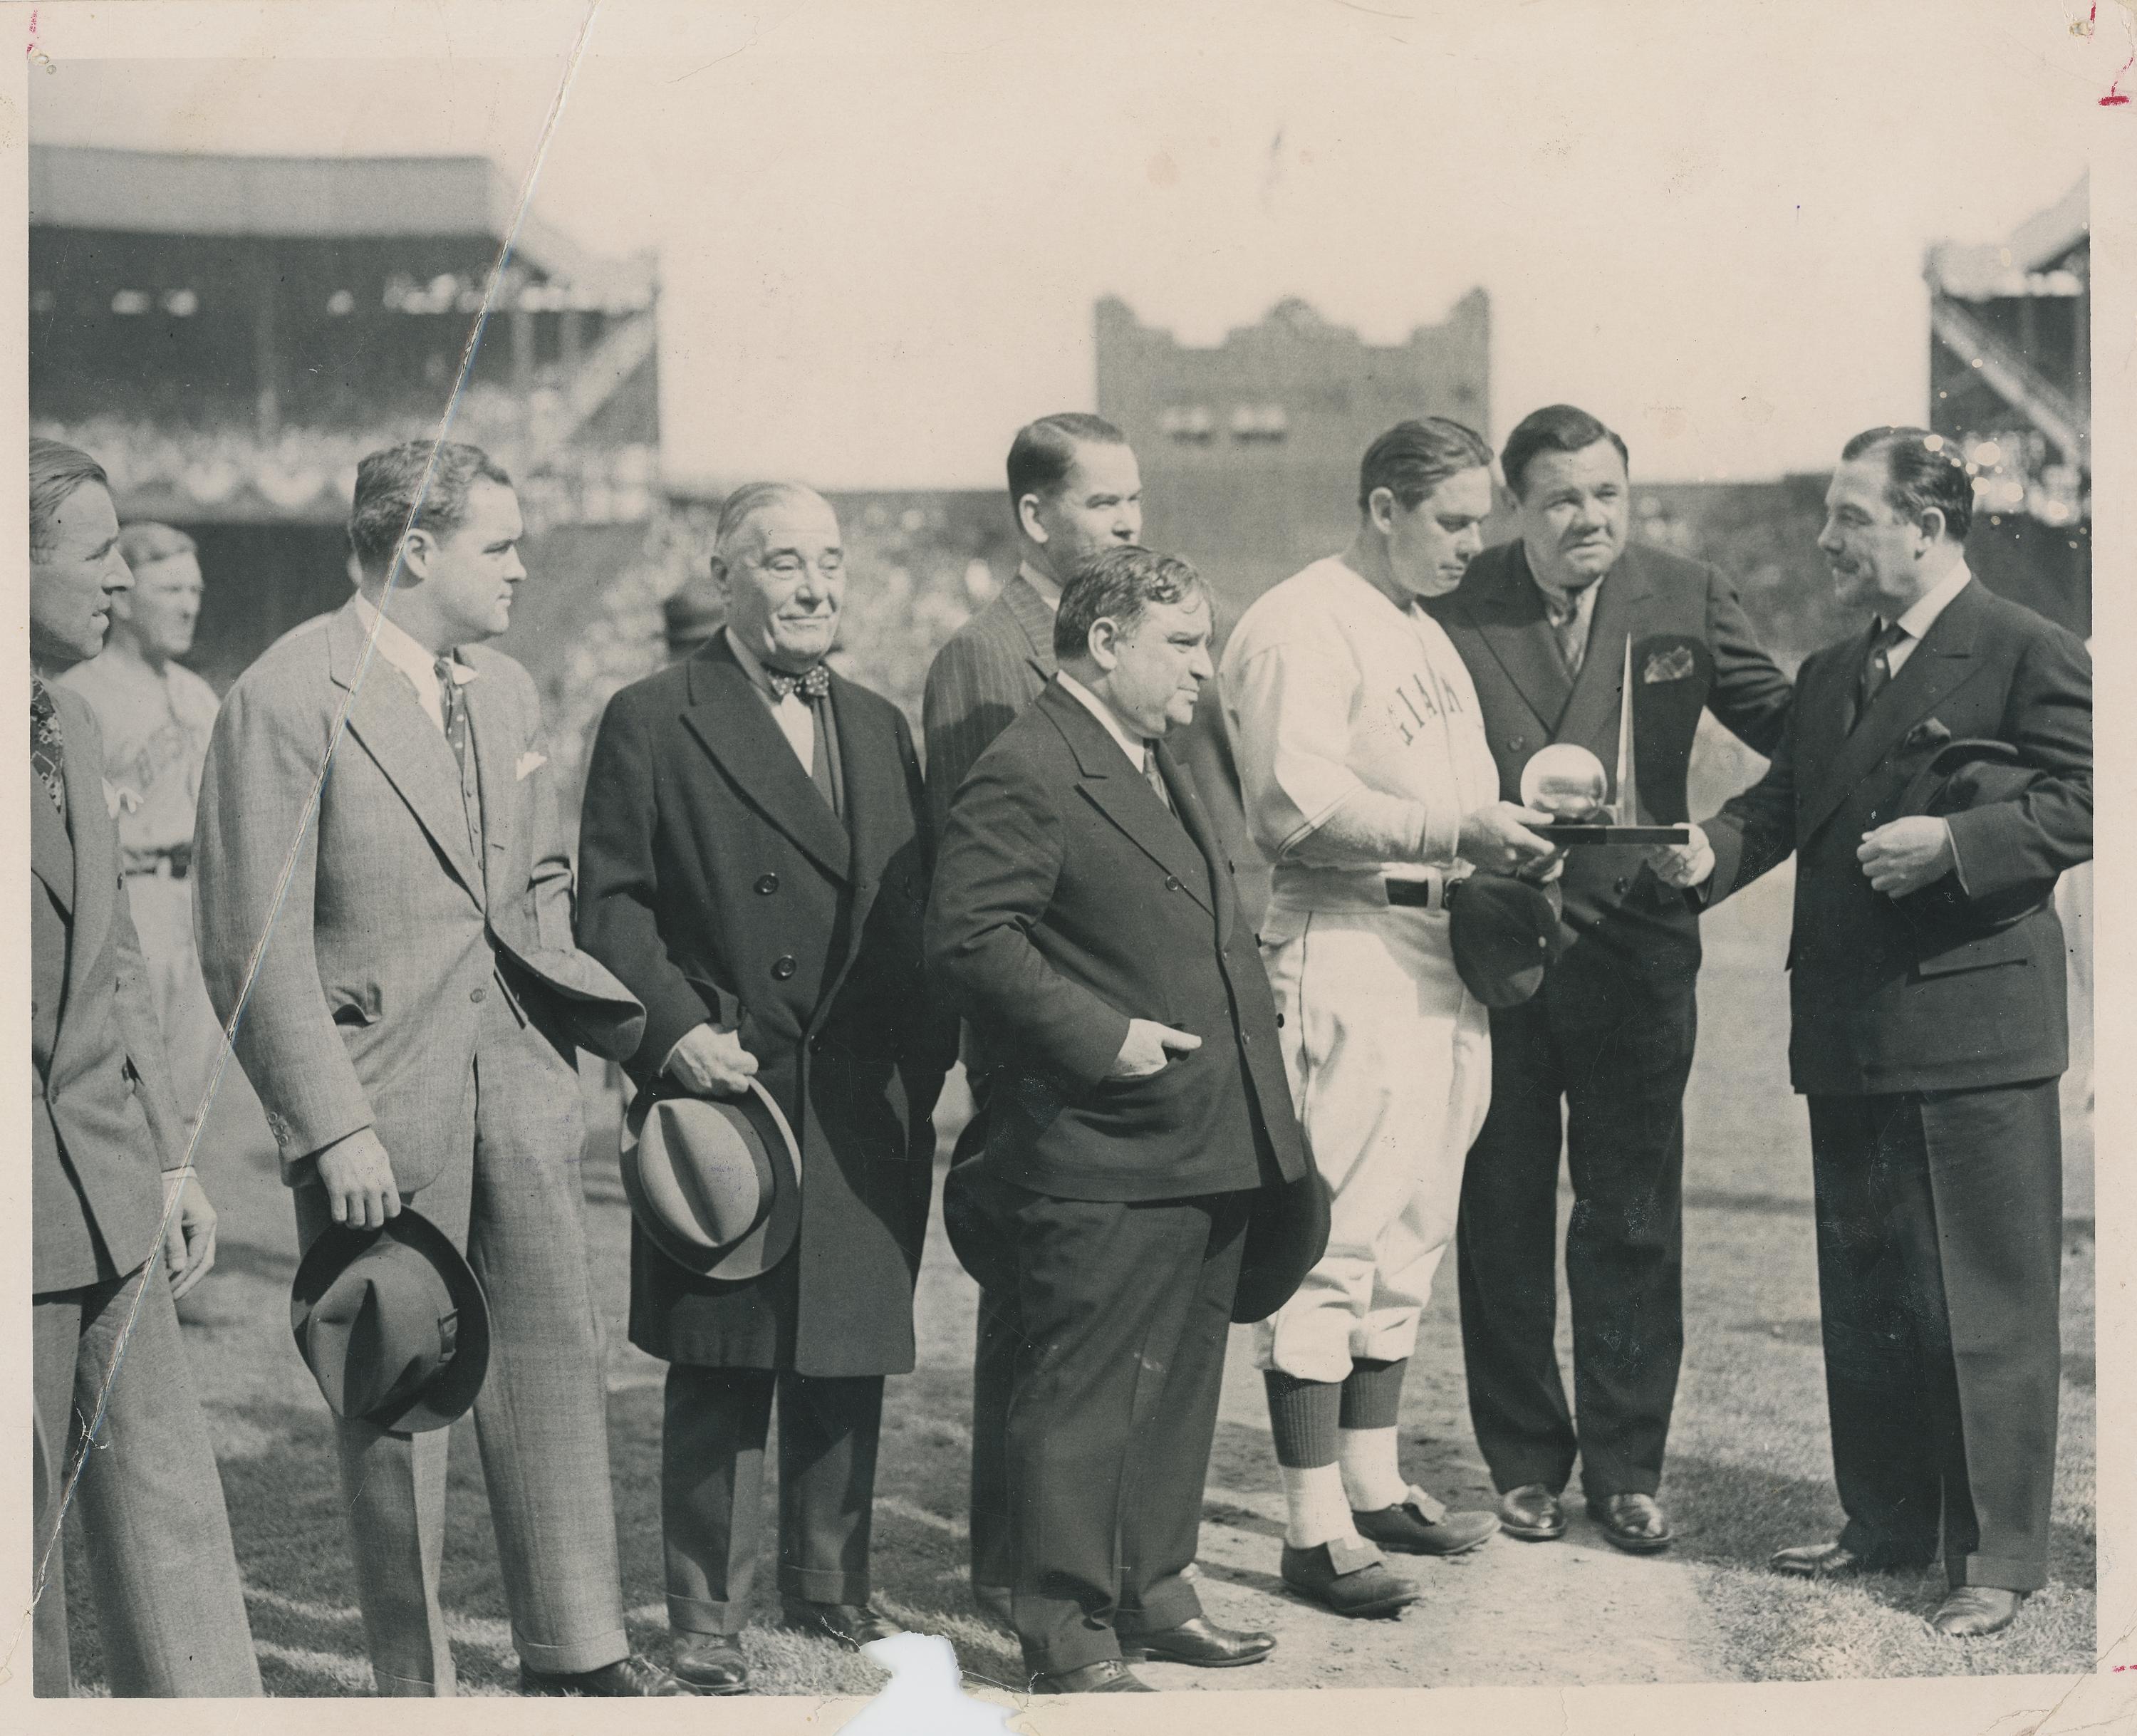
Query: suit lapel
[[386, 716], [94, 838], [1591, 714], [735, 726], [874, 779], [1509, 618], [1941, 663], [51, 852], [1029, 611], [1187, 804], [1117, 789]]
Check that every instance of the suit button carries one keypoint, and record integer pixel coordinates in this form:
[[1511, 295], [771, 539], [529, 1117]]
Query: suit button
[[782, 967], [1171, 883], [768, 884], [478, 995], [1623, 884], [1279, 1021], [817, 1043], [1514, 744]]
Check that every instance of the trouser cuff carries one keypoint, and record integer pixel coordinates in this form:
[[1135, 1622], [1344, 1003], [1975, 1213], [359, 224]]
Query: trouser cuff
[[2006, 1572], [1167, 1606], [823, 1585], [574, 1656], [700, 1614], [1086, 1645]]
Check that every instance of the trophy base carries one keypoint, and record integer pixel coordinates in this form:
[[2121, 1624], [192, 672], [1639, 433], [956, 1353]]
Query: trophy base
[[1568, 833]]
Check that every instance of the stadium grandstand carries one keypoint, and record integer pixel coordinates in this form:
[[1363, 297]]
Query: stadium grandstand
[[228, 335], [2011, 380]]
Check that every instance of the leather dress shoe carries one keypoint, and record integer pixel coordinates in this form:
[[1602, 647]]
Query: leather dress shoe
[[1108, 1676], [628, 1678], [993, 1603], [1632, 1522], [1418, 1525], [1198, 1642], [1972, 1610], [850, 1624], [1532, 1512], [1349, 1577], [1833, 1561], [710, 1663]]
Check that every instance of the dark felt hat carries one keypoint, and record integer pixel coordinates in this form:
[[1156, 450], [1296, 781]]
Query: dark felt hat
[[1286, 1235], [391, 1323], [714, 1182], [1969, 773], [1504, 933]]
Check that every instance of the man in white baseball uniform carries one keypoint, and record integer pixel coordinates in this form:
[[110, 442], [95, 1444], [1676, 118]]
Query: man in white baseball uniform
[[1370, 787]]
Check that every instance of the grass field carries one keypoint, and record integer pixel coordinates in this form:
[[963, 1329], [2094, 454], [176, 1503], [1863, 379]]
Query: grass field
[[1748, 1468]]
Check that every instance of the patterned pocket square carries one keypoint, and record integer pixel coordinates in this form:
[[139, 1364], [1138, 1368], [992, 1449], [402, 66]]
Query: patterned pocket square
[[1928, 733], [528, 764], [1672, 665]]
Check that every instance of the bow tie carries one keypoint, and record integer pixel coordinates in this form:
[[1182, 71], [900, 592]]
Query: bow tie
[[813, 683]]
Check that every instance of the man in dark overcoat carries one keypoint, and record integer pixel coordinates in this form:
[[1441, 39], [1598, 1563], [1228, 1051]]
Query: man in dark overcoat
[[754, 864], [1929, 1027], [1592, 1069]]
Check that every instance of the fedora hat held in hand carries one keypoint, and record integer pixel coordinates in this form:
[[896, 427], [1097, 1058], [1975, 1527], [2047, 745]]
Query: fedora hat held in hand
[[715, 1183], [391, 1323]]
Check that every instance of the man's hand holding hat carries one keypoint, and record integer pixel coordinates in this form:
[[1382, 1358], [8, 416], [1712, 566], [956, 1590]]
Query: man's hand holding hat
[[711, 1063], [1906, 854]]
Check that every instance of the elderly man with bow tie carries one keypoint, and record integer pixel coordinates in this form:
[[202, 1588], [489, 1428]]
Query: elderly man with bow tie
[[755, 865]]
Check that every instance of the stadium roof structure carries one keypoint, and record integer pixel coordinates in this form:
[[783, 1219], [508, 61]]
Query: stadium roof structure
[[1985, 270], [168, 192]]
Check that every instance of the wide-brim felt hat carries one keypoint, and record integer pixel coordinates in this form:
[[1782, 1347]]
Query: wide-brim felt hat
[[715, 1183], [1504, 933], [1969, 773], [1286, 1234], [393, 1323]]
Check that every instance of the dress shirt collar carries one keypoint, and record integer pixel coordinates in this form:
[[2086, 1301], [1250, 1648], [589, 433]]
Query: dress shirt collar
[[1048, 591], [399, 647], [1921, 615], [1131, 744]]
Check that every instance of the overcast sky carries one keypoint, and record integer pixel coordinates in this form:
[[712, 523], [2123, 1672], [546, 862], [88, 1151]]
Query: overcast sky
[[881, 230]]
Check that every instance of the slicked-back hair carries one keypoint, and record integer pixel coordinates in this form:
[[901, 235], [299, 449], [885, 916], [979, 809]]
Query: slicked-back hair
[[143, 544], [56, 470], [1041, 453], [1922, 470], [1555, 427], [1413, 458], [390, 484], [745, 502], [1121, 585]]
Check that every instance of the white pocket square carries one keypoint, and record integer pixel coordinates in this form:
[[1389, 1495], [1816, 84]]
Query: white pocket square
[[528, 764]]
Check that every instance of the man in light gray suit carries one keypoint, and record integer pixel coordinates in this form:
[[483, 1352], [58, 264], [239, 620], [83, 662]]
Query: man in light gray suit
[[409, 1025], [105, 1265]]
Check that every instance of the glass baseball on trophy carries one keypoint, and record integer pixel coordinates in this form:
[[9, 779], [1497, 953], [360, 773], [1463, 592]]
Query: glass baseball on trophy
[[1568, 782]]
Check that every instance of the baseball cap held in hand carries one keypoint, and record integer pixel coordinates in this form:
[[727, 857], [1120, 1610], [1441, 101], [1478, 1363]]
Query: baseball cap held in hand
[[1504, 933]]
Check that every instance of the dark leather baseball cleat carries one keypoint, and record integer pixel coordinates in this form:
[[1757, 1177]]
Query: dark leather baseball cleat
[[1348, 1577], [1418, 1525]]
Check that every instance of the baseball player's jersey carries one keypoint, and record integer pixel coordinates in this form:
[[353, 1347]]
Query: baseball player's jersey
[[1359, 741]]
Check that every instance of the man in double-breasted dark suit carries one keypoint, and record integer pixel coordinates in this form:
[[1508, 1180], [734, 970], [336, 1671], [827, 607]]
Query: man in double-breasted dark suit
[[119, 1226], [754, 863], [1082, 915], [1543, 623], [1929, 1028]]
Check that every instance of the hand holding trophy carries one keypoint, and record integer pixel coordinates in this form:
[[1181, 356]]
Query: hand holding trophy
[[1568, 782]]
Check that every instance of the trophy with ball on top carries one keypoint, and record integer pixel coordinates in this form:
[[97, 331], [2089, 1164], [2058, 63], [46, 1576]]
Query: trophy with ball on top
[[1569, 783]]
